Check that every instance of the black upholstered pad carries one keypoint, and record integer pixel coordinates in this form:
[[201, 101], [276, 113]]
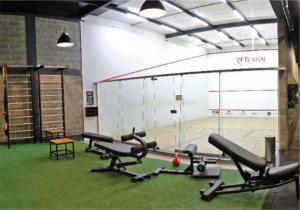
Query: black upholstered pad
[[237, 153], [190, 149], [115, 147], [283, 172], [96, 136]]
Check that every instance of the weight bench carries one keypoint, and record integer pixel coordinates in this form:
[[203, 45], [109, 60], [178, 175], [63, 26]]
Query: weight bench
[[267, 178], [116, 149], [197, 171], [94, 137]]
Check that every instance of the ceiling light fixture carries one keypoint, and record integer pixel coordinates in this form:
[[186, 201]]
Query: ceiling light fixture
[[168, 28], [64, 40], [172, 6], [224, 1], [238, 15], [136, 17], [152, 9]]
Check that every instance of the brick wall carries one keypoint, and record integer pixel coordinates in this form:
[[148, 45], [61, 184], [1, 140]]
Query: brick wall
[[13, 52], [12, 40], [47, 51], [73, 98]]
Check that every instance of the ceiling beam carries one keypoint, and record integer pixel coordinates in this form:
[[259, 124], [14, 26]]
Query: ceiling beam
[[155, 21], [222, 26], [246, 20], [192, 14]]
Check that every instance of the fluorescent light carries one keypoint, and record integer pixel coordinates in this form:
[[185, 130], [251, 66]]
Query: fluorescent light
[[136, 17], [224, 1], [195, 39], [262, 40], [211, 46], [201, 21], [172, 6], [235, 43], [238, 15], [253, 31], [224, 35], [168, 28]]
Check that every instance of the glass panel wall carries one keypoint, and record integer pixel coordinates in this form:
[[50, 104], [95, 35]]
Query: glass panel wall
[[186, 109], [248, 110]]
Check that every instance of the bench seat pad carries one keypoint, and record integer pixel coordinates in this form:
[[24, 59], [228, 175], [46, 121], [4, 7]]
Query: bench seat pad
[[283, 172], [237, 153], [115, 147]]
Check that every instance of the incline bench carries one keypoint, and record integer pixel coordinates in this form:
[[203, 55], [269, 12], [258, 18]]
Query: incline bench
[[267, 178]]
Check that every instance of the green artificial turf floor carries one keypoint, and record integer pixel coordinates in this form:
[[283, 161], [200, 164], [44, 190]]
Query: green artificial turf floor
[[29, 179]]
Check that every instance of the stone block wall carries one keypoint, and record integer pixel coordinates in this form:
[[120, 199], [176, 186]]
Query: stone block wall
[[13, 51], [47, 51], [12, 40], [73, 98]]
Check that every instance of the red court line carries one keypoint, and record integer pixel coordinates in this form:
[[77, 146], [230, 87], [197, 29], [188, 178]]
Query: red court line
[[176, 61], [238, 110], [217, 91]]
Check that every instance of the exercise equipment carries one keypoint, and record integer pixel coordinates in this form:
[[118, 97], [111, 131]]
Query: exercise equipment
[[197, 167], [116, 149], [51, 93], [94, 137], [269, 177]]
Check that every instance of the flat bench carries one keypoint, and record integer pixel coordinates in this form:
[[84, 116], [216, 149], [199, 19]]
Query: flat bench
[[59, 152], [95, 137]]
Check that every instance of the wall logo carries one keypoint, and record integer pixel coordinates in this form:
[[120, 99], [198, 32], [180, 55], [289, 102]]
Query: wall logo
[[249, 60]]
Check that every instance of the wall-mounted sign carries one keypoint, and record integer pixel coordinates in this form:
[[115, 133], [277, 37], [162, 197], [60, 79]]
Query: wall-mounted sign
[[250, 60], [89, 98]]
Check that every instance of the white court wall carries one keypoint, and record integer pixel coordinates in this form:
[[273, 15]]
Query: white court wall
[[244, 93], [112, 48]]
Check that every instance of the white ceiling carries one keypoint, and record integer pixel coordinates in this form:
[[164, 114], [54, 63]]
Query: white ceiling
[[213, 11]]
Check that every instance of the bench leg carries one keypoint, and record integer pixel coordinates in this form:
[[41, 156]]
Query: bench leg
[[73, 150], [56, 146], [297, 185]]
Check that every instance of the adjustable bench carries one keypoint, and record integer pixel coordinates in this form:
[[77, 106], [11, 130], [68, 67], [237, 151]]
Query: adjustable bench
[[267, 178], [94, 137], [116, 149], [198, 170]]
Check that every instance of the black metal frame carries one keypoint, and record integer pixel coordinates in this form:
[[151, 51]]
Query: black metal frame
[[120, 167], [57, 151], [252, 183], [50, 71], [6, 105], [200, 171]]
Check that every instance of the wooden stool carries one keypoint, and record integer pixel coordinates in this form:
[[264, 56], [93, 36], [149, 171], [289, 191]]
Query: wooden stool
[[54, 133], [63, 141]]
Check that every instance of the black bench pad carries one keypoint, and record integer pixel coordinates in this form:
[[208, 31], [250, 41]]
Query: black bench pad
[[283, 172], [238, 153], [115, 147], [96, 136]]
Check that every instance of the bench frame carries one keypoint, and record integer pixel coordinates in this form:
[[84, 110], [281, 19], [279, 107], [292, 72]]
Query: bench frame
[[252, 183]]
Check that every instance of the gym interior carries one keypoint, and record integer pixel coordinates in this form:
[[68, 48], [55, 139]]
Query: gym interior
[[149, 104]]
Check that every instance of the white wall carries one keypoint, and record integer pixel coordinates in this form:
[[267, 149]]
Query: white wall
[[111, 48], [251, 93]]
